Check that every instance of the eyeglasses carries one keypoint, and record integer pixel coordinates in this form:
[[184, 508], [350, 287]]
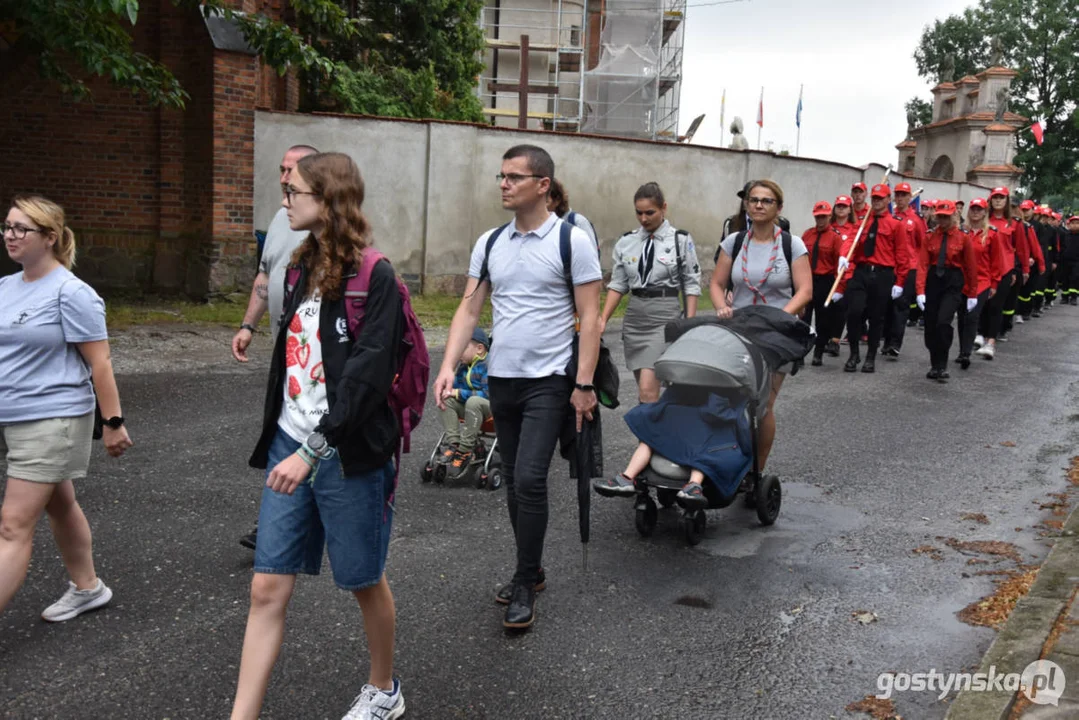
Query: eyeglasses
[[515, 178], [761, 201], [290, 191], [18, 231]]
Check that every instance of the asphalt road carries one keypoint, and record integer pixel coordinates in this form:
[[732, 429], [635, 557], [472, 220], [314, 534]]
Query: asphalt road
[[752, 623]]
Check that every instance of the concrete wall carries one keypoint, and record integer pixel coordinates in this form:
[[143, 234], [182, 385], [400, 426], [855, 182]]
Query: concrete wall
[[431, 188]]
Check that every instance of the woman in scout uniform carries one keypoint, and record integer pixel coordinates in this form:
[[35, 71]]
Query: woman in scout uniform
[[654, 264]]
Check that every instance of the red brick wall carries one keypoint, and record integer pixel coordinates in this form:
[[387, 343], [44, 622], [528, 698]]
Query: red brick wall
[[160, 199]]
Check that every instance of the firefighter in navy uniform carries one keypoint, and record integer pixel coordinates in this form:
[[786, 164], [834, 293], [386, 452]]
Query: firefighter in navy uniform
[[1030, 226], [1069, 263]]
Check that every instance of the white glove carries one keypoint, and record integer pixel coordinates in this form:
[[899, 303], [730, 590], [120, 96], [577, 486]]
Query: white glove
[[921, 302], [836, 297], [971, 304], [897, 292], [843, 264]]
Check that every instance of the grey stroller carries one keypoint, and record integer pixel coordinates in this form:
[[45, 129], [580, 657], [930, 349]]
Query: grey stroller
[[719, 360]]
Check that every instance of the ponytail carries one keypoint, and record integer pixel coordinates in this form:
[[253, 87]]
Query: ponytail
[[64, 249]]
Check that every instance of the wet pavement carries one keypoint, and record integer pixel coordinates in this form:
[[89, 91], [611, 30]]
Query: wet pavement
[[753, 622]]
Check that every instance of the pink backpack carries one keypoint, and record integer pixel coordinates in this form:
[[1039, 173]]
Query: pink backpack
[[409, 391]]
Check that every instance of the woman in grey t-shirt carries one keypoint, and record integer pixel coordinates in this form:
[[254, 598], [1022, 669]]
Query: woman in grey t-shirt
[[760, 275], [54, 353]]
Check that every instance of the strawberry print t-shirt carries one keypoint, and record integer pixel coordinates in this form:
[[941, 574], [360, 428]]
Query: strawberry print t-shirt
[[305, 381]]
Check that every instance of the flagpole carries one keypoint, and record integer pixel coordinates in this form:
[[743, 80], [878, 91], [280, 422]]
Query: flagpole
[[722, 116], [760, 118], [798, 142]]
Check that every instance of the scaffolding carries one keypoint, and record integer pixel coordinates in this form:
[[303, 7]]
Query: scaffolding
[[610, 67], [634, 88], [556, 31]]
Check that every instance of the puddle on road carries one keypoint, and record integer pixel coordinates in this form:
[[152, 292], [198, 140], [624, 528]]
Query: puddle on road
[[805, 519], [694, 602]]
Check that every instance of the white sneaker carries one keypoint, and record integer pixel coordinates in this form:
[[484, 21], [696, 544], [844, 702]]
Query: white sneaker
[[1019, 320], [75, 602], [375, 704], [979, 341], [988, 352]]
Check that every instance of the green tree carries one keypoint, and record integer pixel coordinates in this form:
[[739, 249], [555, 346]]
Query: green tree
[[1039, 39], [412, 58], [921, 111], [72, 40]]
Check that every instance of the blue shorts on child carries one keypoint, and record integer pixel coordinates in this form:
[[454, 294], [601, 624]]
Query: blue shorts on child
[[350, 515]]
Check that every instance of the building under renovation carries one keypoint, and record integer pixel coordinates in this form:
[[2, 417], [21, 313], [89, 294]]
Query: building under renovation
[[610, 67]]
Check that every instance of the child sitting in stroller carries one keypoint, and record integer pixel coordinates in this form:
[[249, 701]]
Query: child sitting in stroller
[[470, 403], [696, 429]]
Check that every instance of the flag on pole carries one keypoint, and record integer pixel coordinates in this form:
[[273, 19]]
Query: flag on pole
[[760, 110], [1039, 132], [798, 115], [723, 109]]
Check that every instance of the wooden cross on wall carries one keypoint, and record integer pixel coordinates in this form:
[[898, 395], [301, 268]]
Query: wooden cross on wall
[[522, 88]]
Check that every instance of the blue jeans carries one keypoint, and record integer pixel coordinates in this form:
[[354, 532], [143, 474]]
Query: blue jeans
[[350, 515]]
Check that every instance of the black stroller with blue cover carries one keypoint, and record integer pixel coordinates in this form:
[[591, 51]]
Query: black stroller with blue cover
[[712, 358]]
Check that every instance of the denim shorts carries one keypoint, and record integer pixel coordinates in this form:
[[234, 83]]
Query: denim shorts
[[350, 515]]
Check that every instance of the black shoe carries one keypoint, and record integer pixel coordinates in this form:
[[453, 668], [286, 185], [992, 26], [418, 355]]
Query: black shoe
[[522, 608], [1073, 301], [1036, 313], [964, 361], [891, 352], [911, 323], [505, 593], [852, 364], [248, 540], [832, 348], [869, 365], [933, 374], [817, 361], [943, 376]]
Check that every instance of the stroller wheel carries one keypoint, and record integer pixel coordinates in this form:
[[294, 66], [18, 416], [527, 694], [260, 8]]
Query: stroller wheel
[[494, 479], [647, 515], [440, 473], [666, 497], [693, 525], [427, 474], [769, 496]]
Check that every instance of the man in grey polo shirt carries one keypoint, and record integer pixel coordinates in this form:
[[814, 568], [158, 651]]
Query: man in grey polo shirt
[[268, 290], [532, 345]]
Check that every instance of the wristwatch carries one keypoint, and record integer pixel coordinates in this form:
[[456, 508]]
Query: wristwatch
[[584, 388], [316, 443], [115, 422], [249, 327]]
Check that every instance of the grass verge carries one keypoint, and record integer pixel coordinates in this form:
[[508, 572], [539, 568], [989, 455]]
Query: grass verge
[[434, 311]]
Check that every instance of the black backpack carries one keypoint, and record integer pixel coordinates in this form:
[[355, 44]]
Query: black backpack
[[739, 241]]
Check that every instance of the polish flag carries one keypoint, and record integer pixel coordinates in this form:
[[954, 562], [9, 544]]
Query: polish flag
[[760, 110], [1039, 132]]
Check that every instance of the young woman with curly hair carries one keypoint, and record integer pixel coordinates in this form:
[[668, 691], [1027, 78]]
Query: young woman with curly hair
[[328, 437]]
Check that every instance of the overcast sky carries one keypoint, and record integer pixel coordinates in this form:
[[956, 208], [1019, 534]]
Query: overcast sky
[[855, 60]]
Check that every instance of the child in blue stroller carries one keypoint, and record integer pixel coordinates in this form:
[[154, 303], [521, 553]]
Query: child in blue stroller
[[698, 443]]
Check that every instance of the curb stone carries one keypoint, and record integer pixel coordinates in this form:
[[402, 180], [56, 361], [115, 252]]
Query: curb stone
[[1020, 641]]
